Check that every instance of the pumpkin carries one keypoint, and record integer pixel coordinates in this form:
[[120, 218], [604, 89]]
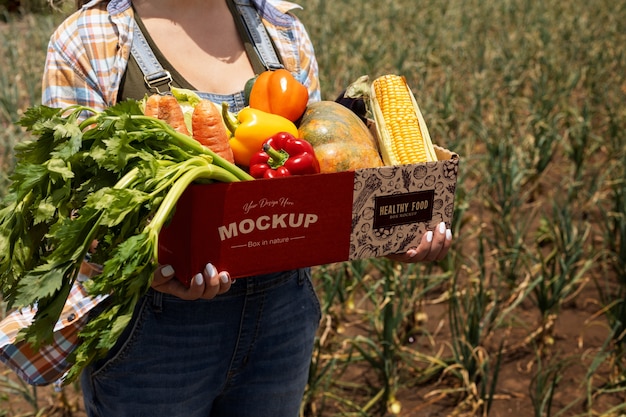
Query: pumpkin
[[345, 156], [340, 139]]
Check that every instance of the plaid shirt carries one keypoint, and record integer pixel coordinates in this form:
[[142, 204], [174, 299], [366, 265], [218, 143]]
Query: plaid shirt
[[49, 363], [88, 53]]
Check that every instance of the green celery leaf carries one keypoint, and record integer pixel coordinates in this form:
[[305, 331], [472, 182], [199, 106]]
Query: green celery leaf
[[35, 152], [59, 170], [70, 138], [48, 312], [28, 177], [45, 211], [71, 238], [116, 204], [21, 244], [123, 109], [34, 116], [62, 197], [130, 265], [42, 282]]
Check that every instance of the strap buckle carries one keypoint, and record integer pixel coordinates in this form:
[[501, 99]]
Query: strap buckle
[[157, 79]]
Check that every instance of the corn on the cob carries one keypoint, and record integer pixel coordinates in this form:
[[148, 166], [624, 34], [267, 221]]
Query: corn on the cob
[[402, 133]]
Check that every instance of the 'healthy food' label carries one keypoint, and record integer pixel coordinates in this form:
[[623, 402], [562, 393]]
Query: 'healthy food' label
[[393, 210]]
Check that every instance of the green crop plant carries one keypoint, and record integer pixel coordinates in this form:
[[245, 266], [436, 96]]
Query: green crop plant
[[562, 260]]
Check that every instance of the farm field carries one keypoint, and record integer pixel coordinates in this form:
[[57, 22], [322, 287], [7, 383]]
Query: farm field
[[527, 315]]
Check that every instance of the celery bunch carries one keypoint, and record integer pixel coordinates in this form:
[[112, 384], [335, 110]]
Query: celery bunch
[[113, 176]]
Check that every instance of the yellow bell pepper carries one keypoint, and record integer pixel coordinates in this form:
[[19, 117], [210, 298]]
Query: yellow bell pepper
[[250, 128]]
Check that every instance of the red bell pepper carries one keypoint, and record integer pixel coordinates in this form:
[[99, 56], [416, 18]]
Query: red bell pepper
[[284, 155]]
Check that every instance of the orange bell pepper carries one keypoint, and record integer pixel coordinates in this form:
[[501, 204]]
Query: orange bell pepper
[[278, 92]]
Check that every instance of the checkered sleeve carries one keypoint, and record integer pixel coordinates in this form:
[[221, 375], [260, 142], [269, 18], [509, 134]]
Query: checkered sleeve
[[86, 59]]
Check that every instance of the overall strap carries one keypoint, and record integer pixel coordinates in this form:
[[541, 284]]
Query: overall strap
[[255, 36], [153, 73]]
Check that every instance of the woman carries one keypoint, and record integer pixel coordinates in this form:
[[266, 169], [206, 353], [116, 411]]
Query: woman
[[217, 348]]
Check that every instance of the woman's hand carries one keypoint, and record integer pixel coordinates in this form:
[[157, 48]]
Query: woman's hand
[[434, 246], [206, 284]]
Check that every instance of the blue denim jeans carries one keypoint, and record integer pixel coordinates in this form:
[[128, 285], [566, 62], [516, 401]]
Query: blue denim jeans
[[245, 353]]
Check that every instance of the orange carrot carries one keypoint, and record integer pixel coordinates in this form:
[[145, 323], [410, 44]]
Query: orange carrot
[[166, 108], [152, 106], [208, 129]]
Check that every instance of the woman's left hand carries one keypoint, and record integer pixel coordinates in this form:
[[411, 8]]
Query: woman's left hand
[[434, 246], [206, 284]]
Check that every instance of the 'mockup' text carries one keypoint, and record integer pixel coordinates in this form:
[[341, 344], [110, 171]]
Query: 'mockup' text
[[276, 221]]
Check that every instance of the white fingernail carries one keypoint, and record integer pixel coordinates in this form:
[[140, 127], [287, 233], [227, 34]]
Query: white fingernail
[[198, 279], [429, 236], [210, 270], [224, 277], [167, 271], [448, 234], [442, 227]]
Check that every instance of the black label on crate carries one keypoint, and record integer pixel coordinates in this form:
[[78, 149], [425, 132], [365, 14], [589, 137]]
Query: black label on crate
[[396, 209]]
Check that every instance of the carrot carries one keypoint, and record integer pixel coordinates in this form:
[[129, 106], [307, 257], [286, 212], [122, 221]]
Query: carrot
[[152, 106], [166, 108], [208, 129]]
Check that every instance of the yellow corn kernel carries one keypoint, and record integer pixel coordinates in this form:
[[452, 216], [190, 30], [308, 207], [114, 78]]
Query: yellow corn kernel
[[402, 133]]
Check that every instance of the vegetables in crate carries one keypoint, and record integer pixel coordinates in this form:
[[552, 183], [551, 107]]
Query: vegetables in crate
[[113, 177], [284, 155]]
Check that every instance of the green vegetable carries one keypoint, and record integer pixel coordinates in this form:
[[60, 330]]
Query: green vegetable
[[113, 176]]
